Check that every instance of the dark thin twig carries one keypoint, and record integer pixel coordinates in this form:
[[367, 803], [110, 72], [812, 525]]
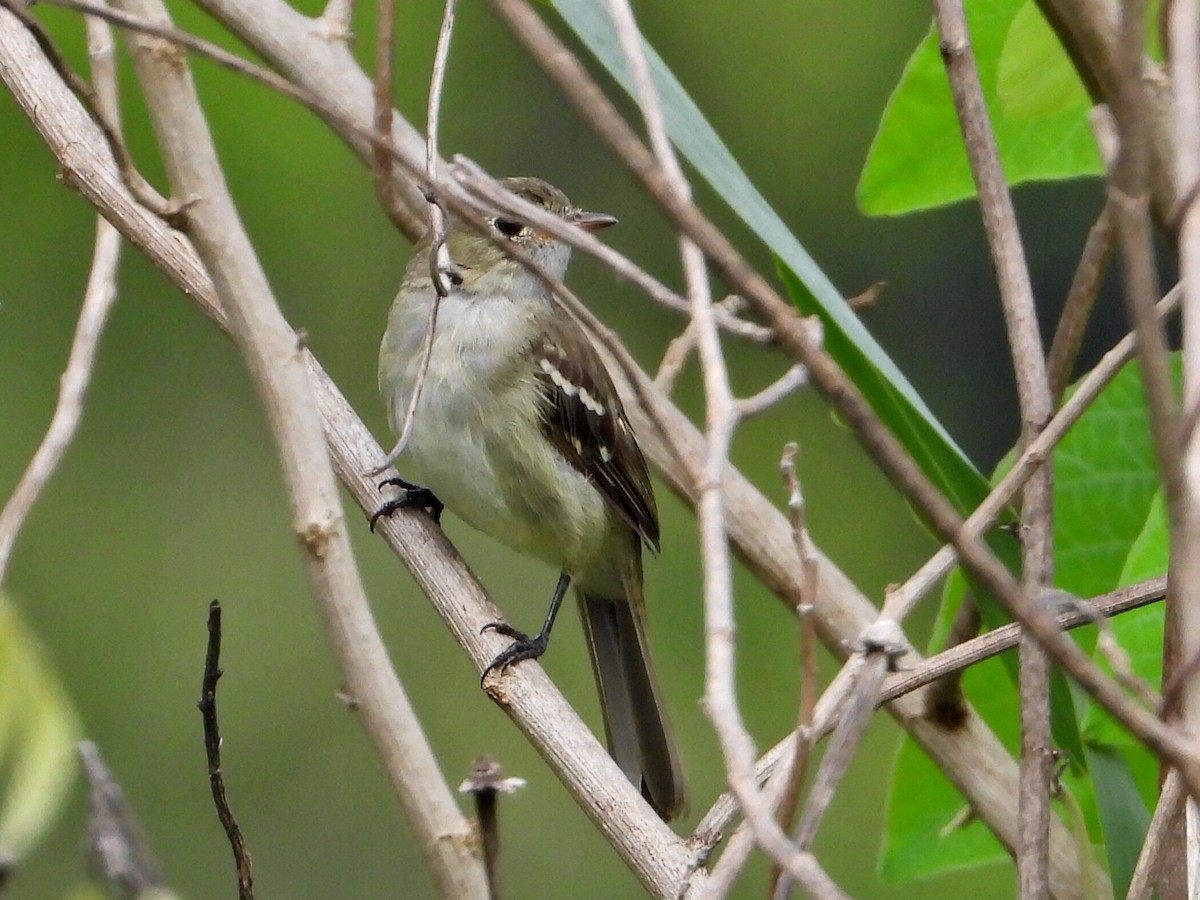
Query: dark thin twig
[[212, 749], [1000, 639], [485, 786]]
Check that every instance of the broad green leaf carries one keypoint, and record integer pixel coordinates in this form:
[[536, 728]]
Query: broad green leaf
[[917, 160], [38, 731], [1036, 77], [889, 392], [1109, 531]]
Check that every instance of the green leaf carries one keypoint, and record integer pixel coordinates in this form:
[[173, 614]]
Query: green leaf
[[38, 731], [1036, 77], [917, 160], [1123, 814], [925, 831], [894, 399]]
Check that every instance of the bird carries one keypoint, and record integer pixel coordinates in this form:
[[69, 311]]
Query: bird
[[520, 432]]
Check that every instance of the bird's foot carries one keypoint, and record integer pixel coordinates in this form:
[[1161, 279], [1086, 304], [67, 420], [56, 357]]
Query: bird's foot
[[411, 495], [522, 648]]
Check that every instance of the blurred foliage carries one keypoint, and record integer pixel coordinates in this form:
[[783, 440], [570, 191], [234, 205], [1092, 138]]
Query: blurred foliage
[[38, 730], [171, 496]]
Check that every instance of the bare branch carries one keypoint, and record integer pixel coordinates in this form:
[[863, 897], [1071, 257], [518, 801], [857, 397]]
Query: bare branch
[[485, 787], [1033, 390]]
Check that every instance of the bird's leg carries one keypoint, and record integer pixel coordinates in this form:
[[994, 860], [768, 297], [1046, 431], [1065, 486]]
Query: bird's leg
[[411, 495], [523, 646]]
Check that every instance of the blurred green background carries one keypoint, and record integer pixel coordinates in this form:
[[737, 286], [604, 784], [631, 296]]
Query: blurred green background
[[171, 496]]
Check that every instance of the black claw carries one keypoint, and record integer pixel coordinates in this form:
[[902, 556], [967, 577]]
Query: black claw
[[412, 495], [522, 648]]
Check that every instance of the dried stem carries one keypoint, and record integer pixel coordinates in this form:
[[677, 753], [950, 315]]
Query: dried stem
[[810, 579], [1033, 390], [118, 854], [212, 751]]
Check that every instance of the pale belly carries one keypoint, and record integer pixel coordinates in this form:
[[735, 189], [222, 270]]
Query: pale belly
[[487, 461]]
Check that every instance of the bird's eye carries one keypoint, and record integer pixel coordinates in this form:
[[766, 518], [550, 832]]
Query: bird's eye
[[508, 227]]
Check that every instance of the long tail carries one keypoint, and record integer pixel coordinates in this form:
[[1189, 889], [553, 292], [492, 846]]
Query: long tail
[[635, 721]]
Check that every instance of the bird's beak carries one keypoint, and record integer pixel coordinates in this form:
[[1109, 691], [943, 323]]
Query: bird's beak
[[593, 221]]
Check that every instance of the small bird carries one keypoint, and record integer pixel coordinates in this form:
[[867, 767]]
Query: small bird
[[520, 432]]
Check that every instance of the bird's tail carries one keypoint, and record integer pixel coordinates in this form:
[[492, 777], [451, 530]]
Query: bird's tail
[[635, 720]]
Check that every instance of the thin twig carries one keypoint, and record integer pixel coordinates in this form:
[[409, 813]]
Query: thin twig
[[382, 151], [1130, 191], [441, 267], [98, 299], [1181, 663], [847, 735], [680, 348], [212, 751], [810, 576], [1005, 637], [773, 393], [1081, 298]]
